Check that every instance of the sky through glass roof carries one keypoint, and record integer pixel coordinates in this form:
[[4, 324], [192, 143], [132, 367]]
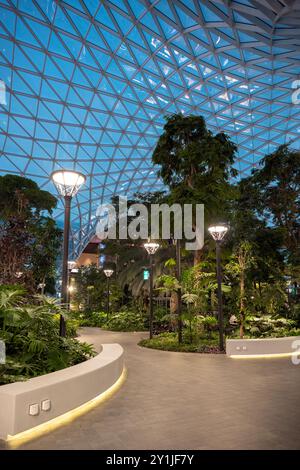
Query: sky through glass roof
[[85, 84]]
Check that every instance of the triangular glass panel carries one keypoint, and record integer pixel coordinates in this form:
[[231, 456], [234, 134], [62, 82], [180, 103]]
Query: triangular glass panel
[[103, 17], [62, 21], [80, 23], [56, 46], [124, 24], [186, 20]]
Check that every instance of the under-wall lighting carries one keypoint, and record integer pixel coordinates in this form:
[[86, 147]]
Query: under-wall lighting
[[262, 356], [66, 418]]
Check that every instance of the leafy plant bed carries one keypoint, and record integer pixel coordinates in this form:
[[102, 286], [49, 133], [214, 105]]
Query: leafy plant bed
[[118, 321], [125, 321], [266, 326], [169, 342], [94, 319], [31, 336]]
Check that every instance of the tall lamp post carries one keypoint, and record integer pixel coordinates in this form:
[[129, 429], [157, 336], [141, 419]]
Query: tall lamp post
[[178, 275], [71, 266], [151, 248], [218, 233], [68, 183], [108, 273]]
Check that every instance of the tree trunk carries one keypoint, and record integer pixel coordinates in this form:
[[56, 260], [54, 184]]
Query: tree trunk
[[173, 309], [197, 257], [179, 304]]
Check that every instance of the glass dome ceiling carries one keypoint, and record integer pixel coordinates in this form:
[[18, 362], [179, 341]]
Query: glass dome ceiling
[[85, 84]]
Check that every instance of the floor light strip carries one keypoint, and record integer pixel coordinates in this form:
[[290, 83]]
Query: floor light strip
[[261, 356], [66, 418]]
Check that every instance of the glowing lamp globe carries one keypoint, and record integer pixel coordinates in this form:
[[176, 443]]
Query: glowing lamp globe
[[71, 265], [151, 247], [108, 272], [68, 182], [218, 232]]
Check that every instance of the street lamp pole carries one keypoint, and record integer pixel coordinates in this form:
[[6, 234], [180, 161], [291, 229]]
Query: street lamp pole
[[178, 275], [107, 298], [65, 268], [218, 233], [151, 298], [108, 273], [151, 249], [68, 184], [220, 300], [70, 267]]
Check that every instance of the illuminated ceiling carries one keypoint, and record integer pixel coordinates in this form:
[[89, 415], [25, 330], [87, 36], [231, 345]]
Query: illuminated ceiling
[[85, 85]]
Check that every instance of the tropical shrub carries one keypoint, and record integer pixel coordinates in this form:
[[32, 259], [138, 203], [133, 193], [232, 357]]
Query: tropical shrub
[[266, 325], [163, 320], [31, 336], [169, 342], [125, 321], [71, 327], [209, 324], [95, 319], [269, 326]]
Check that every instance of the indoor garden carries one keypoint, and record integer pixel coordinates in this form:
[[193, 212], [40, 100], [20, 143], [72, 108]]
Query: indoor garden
[[149, 229], [259, 260]]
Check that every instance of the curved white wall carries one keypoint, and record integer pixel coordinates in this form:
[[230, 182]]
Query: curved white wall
[[261, 346], [60, 391]]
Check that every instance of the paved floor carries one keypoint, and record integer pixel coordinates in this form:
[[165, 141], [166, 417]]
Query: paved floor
[[188, 401]]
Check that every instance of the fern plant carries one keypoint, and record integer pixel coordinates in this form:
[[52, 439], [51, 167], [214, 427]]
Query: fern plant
[[31, 336]]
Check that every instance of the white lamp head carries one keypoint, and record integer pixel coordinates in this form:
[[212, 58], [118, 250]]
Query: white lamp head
[[218, 232], [151, 247], [71, 265], [108, 272], [68, 182]]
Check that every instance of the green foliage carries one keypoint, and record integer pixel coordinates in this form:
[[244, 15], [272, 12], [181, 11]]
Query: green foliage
[[270, 326], [72, 326], [95, 319], [195, 164], [168, 283], [126, 321], [29, 240], [209, 322], [278, 184], [270, 299], [169, 342], [34, 200], [90, 288], [170, 263], [271, 194], [199, 286], [187, 149], [31, 336], [46, 246]]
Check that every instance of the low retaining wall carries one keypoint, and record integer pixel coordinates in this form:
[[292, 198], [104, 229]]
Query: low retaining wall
[[24, 405], [262, 347]]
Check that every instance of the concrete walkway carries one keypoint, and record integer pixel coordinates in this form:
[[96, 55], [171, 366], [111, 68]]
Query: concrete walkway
[[188, 401]]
